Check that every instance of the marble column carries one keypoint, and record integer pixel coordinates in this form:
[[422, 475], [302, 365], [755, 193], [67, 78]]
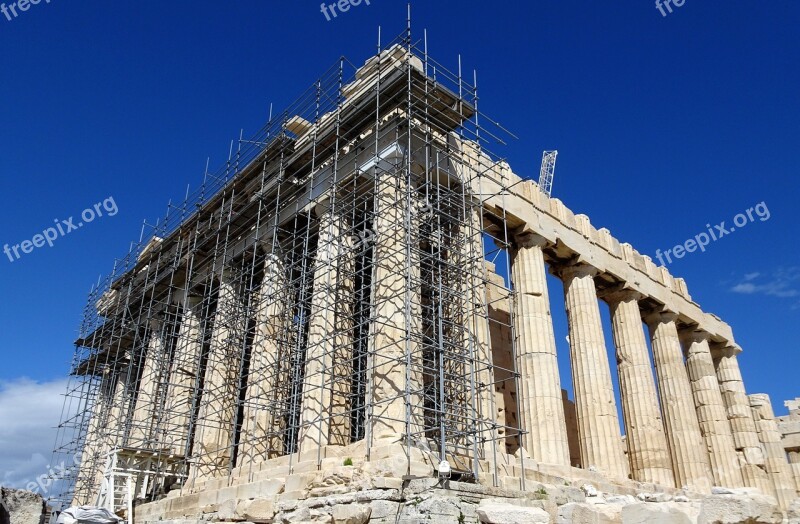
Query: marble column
[[598, 423], [794, 463], [394, 363], [541, 406], [216, 418], [647, 444], [261, 436], [743, 427], [183, 387], [687, 448], [778, 467], [111, 433], [92, 456], [324, 401], [144, 411], [711, 412], [477, 334]]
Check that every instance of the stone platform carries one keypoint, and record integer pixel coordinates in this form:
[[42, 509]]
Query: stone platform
[[343, 488]]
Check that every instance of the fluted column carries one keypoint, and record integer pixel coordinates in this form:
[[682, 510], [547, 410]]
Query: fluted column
[[477, 332], [216, 417], [778, 467], [743, 428], [322, 396], [541, 407], [598, 423], [687, 448], [182, 389], [794, 463], [711, 412], [260, 438], [144, 410], [647, 445], [112, 430], [394, 364], [92, 454]]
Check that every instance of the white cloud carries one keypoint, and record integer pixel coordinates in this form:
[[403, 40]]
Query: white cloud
[[782, 283], [29, 413]]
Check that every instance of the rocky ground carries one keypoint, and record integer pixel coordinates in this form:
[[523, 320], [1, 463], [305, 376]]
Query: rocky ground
[[21, 507]]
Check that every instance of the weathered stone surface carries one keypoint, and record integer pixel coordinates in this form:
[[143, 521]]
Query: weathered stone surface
[[660, 513], [654, 497], [590, 491], [21, 507], [384, 509], [351, 513], [433, 508], [793, 513], [492, 512], [735, 509], [256, 510], [304, 515], [583, 513], [227, 510]]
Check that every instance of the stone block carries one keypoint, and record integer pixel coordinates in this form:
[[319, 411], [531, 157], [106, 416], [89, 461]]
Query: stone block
[[584, 513], [432, 508], [387, 483], [208, 497], [278, 472], [493, 512], [351, 513], [305, 515], [227, 494], [260, 489], [660, 513], [378, 494], [227, 510], [734, 509], [384, 509], [256, 510], [299, 482]]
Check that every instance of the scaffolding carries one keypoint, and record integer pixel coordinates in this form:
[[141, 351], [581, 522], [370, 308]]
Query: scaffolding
[[347, 242]]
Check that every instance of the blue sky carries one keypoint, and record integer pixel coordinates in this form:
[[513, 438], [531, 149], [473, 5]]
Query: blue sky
[[663, 124]]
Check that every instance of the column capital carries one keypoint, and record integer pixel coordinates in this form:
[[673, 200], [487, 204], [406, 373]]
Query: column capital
[[528, 239], [155, 323], [758, 400], [660, 316], [616, 295], [267, 241], [225, 273], [575, 269], [322, 207], [694, 335], [193, 301], [725, 349]]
